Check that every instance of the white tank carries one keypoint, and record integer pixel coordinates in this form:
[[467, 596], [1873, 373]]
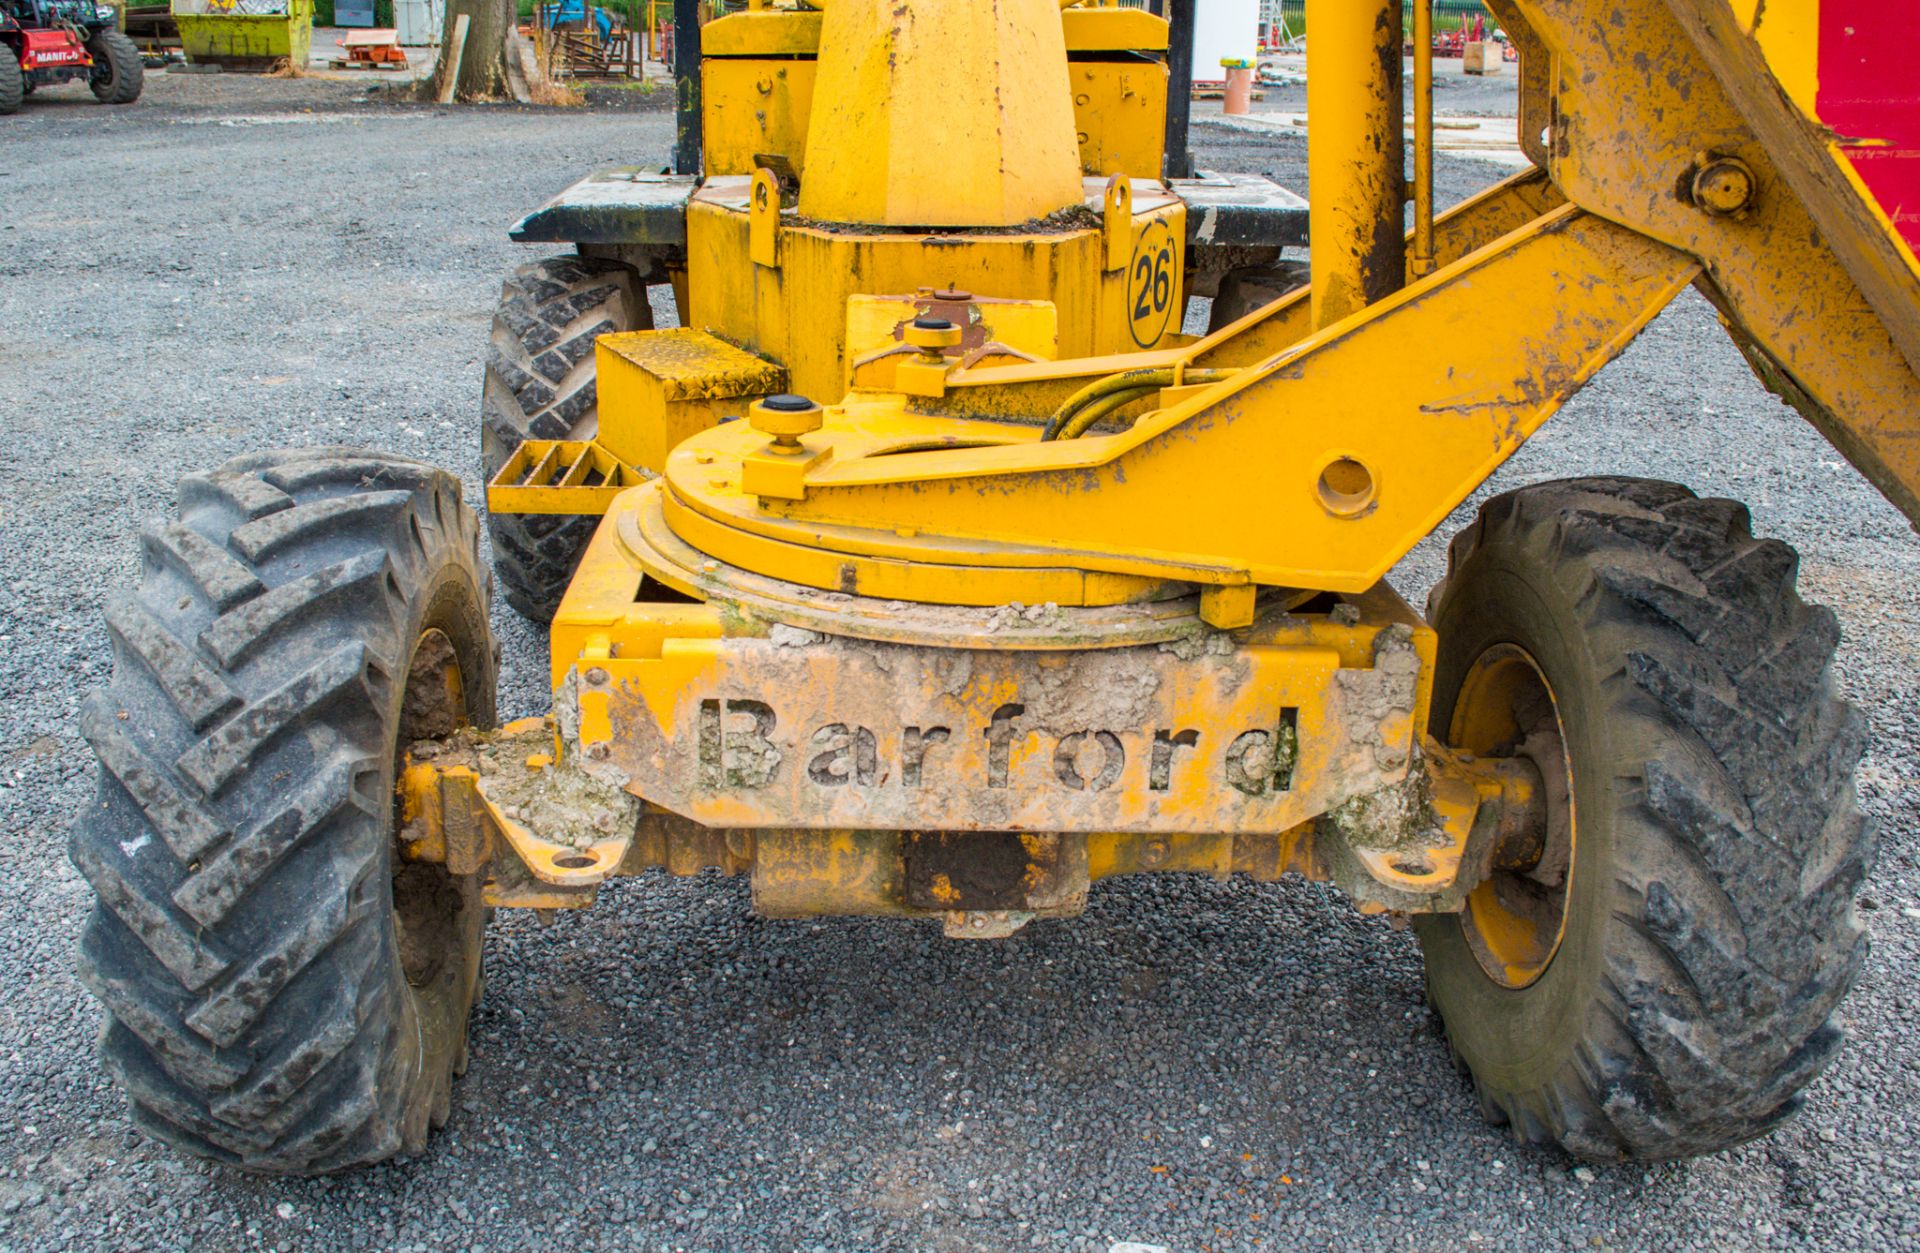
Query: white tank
[[1224, 29]]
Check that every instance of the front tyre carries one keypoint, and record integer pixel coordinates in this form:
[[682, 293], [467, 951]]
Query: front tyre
[[1654, 977], [282, 993], [117, 71], [13, 81]]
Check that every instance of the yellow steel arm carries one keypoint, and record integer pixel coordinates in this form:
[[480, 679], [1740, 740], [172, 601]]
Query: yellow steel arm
[[1472, 224], [1319, 468], [1642, 121], [1328, 455]]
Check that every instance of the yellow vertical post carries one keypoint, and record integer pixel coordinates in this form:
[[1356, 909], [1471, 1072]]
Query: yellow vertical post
[[1356, 164], [1423, 263], [941, 113]]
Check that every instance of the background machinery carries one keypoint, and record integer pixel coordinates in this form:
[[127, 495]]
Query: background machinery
[[44, 42], [929, 570]]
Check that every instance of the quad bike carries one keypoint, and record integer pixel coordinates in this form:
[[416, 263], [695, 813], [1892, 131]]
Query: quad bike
[[44, 42]]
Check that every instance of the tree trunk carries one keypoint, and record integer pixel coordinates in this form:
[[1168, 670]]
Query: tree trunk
[[483, 67]]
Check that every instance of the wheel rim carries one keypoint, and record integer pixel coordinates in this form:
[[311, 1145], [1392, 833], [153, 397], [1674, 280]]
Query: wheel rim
[[1515, 920], [426, 900]]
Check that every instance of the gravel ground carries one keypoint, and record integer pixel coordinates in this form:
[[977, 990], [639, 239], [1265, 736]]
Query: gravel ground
[[233, 264]]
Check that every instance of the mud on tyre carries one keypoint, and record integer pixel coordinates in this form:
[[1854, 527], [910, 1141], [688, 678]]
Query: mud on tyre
[[540, 384], [281, 994], [1656, 978]]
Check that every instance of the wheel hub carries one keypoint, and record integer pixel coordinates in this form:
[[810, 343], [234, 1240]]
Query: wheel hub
[[1516, 919]]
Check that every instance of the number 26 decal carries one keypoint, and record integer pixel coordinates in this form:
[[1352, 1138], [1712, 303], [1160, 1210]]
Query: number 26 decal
[[1152, 281]]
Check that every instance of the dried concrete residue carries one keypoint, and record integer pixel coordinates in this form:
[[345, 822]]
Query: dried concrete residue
[[1397, 817], [566, 708], [1200, 643], [952, 671], [1275, 758], [566, 716], [784, 636], [1018, 617], [1063, 690], [1369, 699], [559, 802], [1100, 689]]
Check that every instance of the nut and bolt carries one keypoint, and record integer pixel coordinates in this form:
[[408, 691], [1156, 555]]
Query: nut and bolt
[[596, 676], [1722, 186]]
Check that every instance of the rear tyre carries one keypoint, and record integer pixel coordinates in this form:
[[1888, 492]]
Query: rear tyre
[[540, 384], [282, 993], [117, 72], [13, 81], [1248, 288], [1656, 978]]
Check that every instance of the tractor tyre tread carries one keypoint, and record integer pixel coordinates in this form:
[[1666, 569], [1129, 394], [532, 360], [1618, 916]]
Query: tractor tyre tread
[[13, 81], [1737, 845], [540, 384], [239, 839], [123, 58]]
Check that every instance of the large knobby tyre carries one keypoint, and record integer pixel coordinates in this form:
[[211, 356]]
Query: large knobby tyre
[[13, 81], [1654, 977], [282, 992], [1246, 288], [540, 384], [117, 70]]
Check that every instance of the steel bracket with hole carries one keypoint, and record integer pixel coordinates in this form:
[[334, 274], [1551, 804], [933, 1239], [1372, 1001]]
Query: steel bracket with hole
[[1420, 845], [543, 830]]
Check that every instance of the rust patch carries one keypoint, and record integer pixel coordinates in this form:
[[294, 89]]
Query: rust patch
[[993, 870]]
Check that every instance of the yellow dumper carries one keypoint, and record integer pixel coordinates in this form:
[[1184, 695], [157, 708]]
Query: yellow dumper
[[929, 569]]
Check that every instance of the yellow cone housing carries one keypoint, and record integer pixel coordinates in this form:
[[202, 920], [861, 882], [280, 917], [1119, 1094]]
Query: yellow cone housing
[[941, 113]]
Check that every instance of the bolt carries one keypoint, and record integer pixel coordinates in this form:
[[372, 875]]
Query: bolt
[[599, 750], [932, 336], [1154, 854], [953, 295], [786, 418], [596, 675], [1722, 186]]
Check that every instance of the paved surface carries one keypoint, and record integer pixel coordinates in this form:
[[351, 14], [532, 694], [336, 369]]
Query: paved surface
[[1201, 1065]]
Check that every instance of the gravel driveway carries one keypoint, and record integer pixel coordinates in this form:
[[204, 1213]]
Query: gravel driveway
[[235, 264]]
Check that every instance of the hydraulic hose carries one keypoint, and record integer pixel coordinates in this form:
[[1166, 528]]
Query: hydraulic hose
[[1133, 384], [1090, 414]]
